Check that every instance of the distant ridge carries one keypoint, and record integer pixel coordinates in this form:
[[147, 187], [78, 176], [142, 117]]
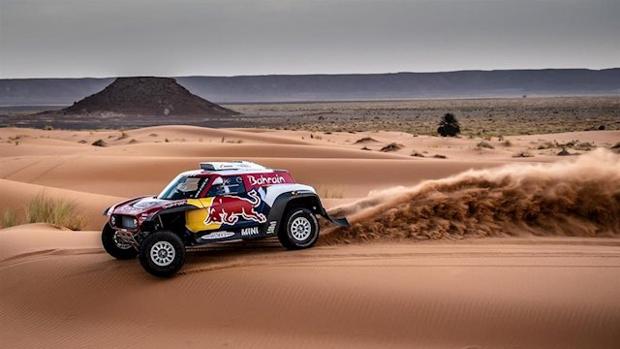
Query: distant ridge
[[340, 87], [150, 96]]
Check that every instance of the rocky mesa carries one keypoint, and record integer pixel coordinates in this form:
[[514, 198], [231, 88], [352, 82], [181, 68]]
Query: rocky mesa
[[152, 96]]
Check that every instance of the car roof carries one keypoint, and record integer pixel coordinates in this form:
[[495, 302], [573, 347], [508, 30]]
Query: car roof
[[204, 173]]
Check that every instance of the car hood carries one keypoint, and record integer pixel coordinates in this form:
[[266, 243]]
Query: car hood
[[148, 205]]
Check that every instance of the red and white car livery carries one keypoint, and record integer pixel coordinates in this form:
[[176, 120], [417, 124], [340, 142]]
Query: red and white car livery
[[220, 202]]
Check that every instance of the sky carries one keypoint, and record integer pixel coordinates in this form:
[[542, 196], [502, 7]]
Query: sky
[[85, 38]]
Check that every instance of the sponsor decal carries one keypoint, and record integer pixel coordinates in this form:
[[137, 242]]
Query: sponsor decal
[[175, 204], [271, 229], [249, 231], [218, 235], [229, 209], [262, 179]]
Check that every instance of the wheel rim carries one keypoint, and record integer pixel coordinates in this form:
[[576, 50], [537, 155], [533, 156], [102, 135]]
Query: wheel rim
[[162, 253], [301, 228], [120, 243]]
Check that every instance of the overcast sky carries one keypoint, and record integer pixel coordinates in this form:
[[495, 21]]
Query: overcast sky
[[77, 38]]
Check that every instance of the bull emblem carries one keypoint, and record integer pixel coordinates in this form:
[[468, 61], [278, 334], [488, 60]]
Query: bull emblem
[[227, 209]]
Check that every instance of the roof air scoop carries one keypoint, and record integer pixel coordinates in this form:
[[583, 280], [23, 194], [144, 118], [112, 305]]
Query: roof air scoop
[[232, 165]]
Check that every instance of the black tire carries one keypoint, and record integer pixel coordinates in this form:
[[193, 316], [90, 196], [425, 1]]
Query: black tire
[[162, 265], [295, 219], [113, 247]]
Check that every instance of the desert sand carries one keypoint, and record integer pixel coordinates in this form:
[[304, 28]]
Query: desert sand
[[454, 252]]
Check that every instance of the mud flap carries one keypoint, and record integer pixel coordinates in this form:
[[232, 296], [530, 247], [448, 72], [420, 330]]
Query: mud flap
[[341, 222]]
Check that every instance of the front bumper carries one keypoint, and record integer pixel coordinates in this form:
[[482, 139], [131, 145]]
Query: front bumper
[[128, 237]]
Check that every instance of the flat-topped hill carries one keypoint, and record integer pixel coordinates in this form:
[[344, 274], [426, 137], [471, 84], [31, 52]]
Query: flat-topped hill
[[146, 96]]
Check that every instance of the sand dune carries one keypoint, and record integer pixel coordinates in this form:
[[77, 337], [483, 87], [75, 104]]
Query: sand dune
[[31, 240], [155, 133], [245, 151], [16, 195], [102, 175], [59, 289], [517, 293], [208, 133]]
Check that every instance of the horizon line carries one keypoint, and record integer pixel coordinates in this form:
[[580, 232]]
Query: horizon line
[[303, 74]]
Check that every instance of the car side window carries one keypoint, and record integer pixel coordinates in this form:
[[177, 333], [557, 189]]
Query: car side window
[[217, 188], [233, 185]]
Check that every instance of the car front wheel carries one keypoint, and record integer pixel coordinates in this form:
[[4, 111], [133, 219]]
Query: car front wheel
[[115, 246], [301, 229], [162, 253]]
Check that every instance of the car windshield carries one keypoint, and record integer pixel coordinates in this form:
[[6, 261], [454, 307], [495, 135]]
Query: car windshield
[[183, 187]]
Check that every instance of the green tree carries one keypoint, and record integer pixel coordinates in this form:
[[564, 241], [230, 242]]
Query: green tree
[[449, 126]]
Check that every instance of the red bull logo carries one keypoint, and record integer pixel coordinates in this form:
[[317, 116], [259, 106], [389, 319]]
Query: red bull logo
[[228, 209]]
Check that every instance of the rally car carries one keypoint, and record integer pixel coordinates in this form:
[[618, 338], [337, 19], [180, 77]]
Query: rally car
[[222, 201]]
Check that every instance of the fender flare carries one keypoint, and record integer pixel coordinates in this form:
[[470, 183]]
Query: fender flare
[[155, 217], [278, 209]]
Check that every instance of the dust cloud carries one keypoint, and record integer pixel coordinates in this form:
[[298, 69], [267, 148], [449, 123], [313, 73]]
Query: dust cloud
[[578, 197]]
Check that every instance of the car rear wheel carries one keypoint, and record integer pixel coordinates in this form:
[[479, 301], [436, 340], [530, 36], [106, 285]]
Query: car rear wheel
[[162, 253], [115, 246], [301, 229]]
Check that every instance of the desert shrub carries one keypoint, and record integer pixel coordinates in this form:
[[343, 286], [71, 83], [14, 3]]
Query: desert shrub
[[365, 140], [449, 126], [484, 144], [42, 209], [99, 143], [48, 127], [587, 146], [507, 143], [523, 154], [564, 152], [365, 148], [8, 219], [416, 154], [82, 141], [153, 135], [166, 140], [569, 144], [546, 145], [439, 156], [132, 141], [392, 147], [122, 136]]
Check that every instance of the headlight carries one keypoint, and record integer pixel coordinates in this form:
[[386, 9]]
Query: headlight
[[129, 222]]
